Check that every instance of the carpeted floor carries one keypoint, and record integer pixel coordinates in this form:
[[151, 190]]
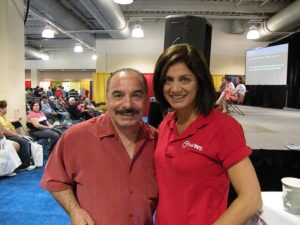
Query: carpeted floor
[[24, 202], [267, 128]]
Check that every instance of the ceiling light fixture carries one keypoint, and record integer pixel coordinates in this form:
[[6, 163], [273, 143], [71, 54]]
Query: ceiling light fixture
[[137, 31], [47, 32], [123, 2], [252, 33], [94, 57], [78, 48], [45, 57]]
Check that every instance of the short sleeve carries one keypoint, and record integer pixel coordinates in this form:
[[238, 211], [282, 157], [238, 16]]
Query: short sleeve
[[233, 145], [57, 175]]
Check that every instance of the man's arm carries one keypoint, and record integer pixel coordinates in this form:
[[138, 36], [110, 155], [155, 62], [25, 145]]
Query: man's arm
[[70, 204]]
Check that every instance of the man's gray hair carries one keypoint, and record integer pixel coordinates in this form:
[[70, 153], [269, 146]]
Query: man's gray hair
[[71, 99]]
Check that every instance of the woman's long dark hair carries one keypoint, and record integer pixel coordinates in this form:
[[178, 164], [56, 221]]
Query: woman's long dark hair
[[195, 61]]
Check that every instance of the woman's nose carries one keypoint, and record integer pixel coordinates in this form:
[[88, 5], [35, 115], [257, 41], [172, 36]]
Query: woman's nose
[[175, 87]]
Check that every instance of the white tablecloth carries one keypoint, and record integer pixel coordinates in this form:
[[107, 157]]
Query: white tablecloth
[[273, 212]]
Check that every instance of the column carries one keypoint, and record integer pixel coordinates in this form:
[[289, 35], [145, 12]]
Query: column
[[12, 62], [34, 78]]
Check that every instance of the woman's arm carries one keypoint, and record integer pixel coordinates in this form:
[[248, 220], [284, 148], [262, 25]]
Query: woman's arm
[[35, 122], [248, 201], [8, 132]]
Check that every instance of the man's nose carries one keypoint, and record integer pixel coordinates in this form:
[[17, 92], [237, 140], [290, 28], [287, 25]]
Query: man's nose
[[127, 101]]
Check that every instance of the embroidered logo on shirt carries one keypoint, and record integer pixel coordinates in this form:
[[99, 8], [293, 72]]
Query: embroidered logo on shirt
[[188, 144]]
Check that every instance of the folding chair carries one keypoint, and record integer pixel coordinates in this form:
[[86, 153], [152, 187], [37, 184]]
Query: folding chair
[[233, 104]]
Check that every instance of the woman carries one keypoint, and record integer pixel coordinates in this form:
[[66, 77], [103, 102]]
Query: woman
[[229, 87], [10, 132], [236, 94], [10, 160], [200, 150], [40, 127]]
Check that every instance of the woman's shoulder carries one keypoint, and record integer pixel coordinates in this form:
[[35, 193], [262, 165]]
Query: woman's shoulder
[[33, 114], [227, 121]]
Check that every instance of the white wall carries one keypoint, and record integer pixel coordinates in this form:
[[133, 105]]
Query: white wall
[[227, 52], [62, 75], [64, 60]]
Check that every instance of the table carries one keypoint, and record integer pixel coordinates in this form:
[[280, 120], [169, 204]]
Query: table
[[273, 212]]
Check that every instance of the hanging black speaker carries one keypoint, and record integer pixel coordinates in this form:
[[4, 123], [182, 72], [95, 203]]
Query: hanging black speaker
[[192, 30]]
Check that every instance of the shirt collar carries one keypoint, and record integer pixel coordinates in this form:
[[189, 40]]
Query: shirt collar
[[106, 128], [200, 121]]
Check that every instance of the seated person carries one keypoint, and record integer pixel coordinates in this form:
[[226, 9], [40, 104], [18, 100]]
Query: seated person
[[61, 114], [10, 132], [61, 103], [75, 112], [87, 106], [9, 159], [221, 88], [236, 95], [47, 110], [229, 86], [40, 127]]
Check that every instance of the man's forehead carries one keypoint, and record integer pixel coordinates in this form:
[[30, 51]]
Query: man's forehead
[[121, 79]]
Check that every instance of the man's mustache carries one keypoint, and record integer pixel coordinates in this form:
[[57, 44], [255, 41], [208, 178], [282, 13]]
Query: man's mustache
[[130, 110]]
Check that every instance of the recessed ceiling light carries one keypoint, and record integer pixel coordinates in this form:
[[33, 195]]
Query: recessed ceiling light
[[48, 32], [78, 48], [123, 2]]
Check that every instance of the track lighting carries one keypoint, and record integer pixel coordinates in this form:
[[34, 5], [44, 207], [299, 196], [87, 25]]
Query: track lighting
[[48, 32], [78, 48], [252, 33], [94, 57], [137, 31]]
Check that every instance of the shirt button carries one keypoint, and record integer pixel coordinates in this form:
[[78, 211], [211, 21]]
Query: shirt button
[[130, 215], [131, 192]]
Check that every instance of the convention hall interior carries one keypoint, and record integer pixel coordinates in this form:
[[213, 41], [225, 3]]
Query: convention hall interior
[[76, 44]]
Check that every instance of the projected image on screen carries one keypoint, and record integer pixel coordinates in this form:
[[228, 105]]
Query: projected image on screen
[[267, 66]]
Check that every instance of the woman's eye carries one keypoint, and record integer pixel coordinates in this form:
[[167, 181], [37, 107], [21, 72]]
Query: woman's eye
[[185, 80], [168, 80]]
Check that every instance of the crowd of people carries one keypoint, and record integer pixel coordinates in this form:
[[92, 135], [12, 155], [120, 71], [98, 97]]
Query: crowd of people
[[117, 169], [47, 118]]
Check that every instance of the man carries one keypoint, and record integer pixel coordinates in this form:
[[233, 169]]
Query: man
[[102, 170], [47, 110], [63, 116], [75, 112]]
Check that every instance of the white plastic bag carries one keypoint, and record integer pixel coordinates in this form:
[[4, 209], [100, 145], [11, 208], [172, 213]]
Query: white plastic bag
[[9, 159], [37, 153]]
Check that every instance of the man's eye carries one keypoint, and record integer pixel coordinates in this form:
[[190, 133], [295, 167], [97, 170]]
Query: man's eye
[[117, 95], [137, 96]]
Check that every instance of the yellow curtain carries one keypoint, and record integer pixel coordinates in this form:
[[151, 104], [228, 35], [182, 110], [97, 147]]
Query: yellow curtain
[[217, 79], [99, 86], [85, 84]]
